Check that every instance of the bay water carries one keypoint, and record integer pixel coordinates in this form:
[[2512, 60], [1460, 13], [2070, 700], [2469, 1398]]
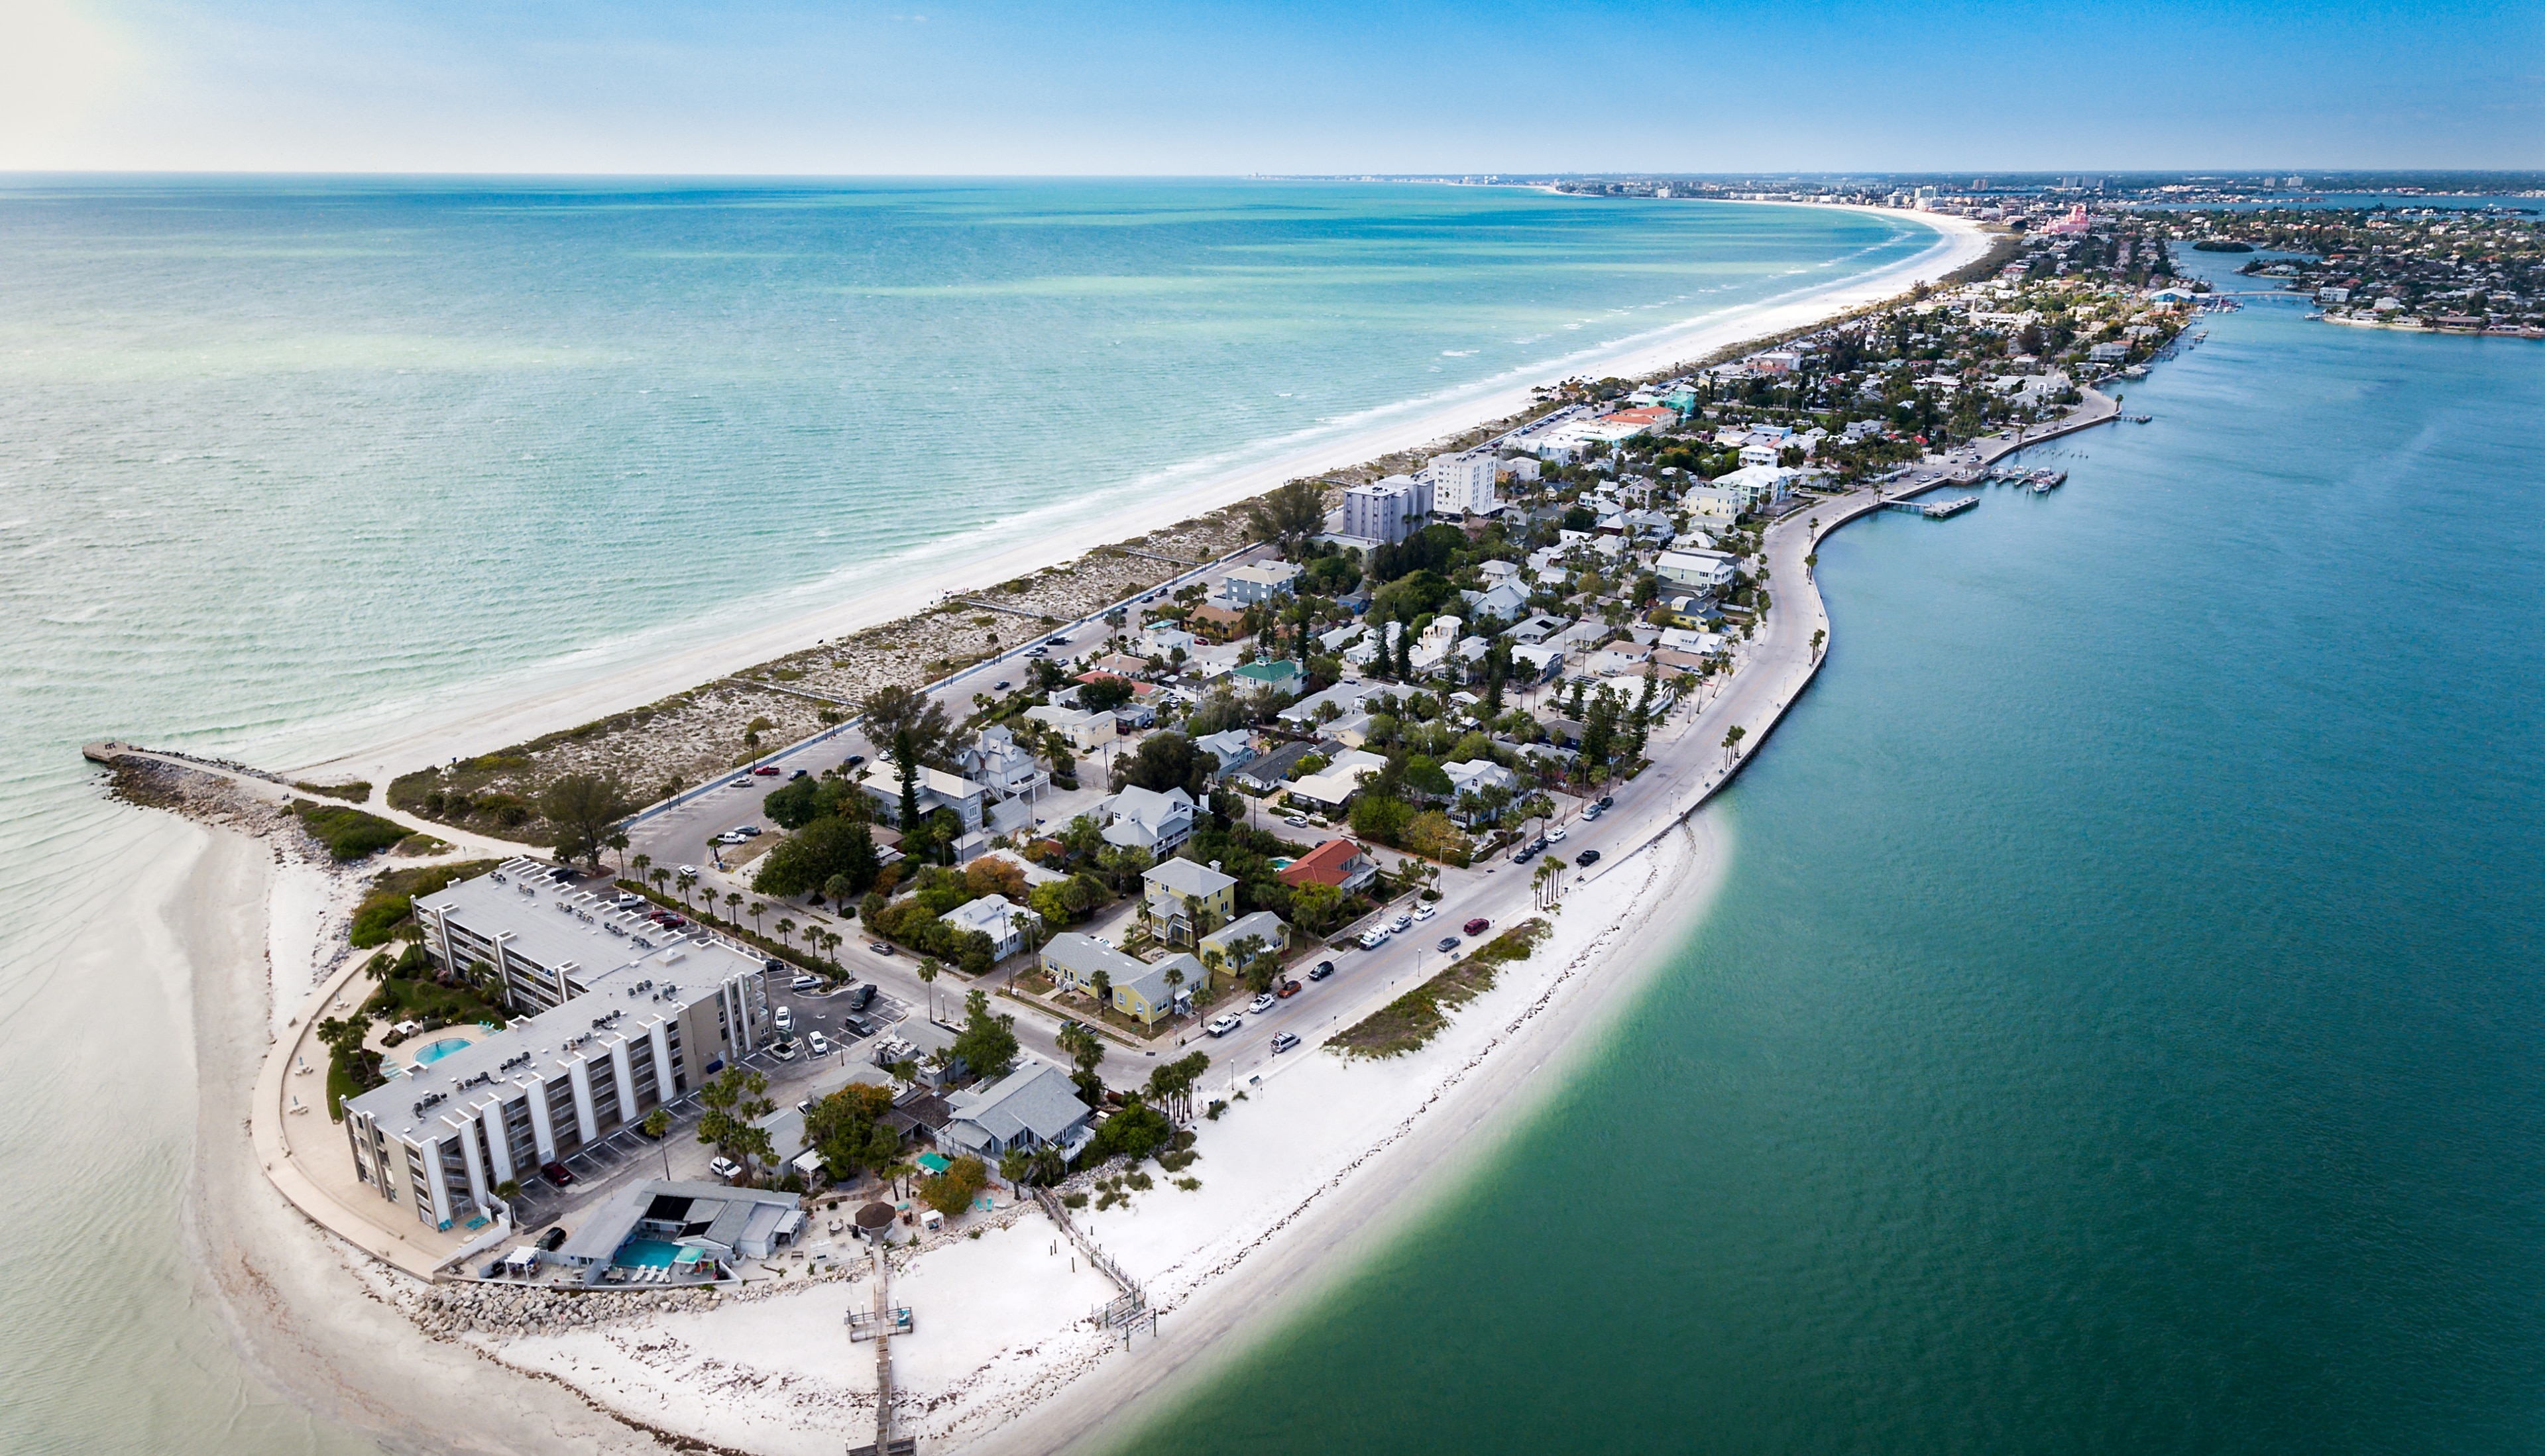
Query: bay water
[[2122, 1026], [282, 460]]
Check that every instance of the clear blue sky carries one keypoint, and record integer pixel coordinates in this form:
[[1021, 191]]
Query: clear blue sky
[[918, 86]]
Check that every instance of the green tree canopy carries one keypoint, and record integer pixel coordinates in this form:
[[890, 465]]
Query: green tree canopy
[[586, 809]]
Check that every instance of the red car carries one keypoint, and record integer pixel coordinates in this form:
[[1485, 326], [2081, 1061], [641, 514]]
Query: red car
[[1479, 926], [766, 771], [1288, 988]]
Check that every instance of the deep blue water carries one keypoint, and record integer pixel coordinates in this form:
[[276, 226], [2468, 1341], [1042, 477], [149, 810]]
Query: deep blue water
[[2120, 1028]]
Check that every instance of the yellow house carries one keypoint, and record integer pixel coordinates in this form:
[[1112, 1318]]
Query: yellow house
[[1219, 948], [1183, 901]]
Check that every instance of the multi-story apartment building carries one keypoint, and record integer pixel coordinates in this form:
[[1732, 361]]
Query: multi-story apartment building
[[617, 1016]]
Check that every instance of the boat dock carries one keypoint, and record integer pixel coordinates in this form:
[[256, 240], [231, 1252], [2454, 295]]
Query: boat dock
[[1938, 511]]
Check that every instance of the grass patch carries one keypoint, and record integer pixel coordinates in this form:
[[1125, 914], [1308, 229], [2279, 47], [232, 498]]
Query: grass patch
[[347, 834], [1410, 1021], [352, 793], [407, 999], [392, 898]]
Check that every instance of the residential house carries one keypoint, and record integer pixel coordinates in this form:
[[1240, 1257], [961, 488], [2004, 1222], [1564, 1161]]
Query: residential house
[[1757, 485], [1267, 773], [1502, 602], [1218, 949], [1535, 662], [1708, 572], [1144, 819], [1162, 639], [1334, 788], [1159, 990], [1619, 660], [1337, 862], [1007, 925], [1181, 901], [1535, 629], [1070, 961], [1344, 697], [1264, 581], [1495, 573], [1084, 732], [1234, 748], [995, 762], [1030, 1107], [1475, 776], [937, 789], [1280, 673]]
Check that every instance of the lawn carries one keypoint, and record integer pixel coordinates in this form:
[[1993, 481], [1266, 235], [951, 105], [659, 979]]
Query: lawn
[[1410, 1021]]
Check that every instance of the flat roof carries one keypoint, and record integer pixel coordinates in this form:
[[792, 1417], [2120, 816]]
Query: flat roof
[[550, 923], [644, 987]]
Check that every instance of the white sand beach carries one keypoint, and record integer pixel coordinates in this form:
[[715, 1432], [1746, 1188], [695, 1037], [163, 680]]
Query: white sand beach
[[561, 695], [1316, 1166]]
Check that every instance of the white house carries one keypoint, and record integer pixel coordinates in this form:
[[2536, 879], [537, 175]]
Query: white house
[[1502, 602], [1084, 732], [995, 916], [936, 789], [1699, 571], [1757, 485], [1144, 819], [1161, 639], [995, 762], [1536, 663], [1475, 776], [1341, 778]]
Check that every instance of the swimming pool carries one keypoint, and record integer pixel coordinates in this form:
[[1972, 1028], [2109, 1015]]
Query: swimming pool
[[647, 1254], [438, 1050]]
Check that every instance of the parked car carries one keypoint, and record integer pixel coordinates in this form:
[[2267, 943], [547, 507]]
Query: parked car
[[1593, 812], [1296, 821], [1555, 836], [803, 1106], [805, 983], [1037, 652], [784, 1049], [1447, 943], [799, 774], [553, 1240], [1055, 641], [786, 1019], [1288, 988], [1607, 801], [856, 1025], [1525, 856], [743, 783], [1425, 911], [1587, 859], [729, 837], [820, 1044], [1263, 1002], [854, 760], [1323, 969], [861, 998], [690, 871], [1283, 1042], [1001, 684], [766, 771], [1373, 938], [1222, 1026], [725, 1168], [557, 1174], [627, 901], [880, 948]]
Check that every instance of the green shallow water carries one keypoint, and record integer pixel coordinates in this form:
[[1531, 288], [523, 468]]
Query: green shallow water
[[2119, 1027]]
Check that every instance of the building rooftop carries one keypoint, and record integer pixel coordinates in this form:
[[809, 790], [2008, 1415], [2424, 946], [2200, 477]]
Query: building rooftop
[[1186, 877]]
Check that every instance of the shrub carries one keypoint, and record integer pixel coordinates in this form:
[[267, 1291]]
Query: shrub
[[347, 834]]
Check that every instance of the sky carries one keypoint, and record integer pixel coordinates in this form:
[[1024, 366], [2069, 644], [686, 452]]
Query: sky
[[922, 87]]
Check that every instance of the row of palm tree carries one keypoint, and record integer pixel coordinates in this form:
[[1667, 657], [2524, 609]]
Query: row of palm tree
[[817, 939]]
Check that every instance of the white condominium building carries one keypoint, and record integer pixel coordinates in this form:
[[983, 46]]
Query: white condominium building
[[617, 1016], [1463, 484], [1387, 511]]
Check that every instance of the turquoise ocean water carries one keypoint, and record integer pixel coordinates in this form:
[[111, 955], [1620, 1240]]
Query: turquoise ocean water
[[280, 461], [2120, 1030]]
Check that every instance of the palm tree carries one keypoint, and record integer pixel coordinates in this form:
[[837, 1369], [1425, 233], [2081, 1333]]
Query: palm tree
[[642, 863], [1175, 977], [733, 905], [618, 841], [662, 878], [1818, 637], [1732, 743], [928, 969], [757, 910], [831, 942], [786, 931], [686, 882]]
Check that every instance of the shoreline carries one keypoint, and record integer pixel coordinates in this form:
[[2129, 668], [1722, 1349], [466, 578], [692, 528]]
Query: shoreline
[[512, 710], [1462, 1120]]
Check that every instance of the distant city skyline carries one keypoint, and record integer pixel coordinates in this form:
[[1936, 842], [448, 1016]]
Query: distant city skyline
[[918, 88]]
